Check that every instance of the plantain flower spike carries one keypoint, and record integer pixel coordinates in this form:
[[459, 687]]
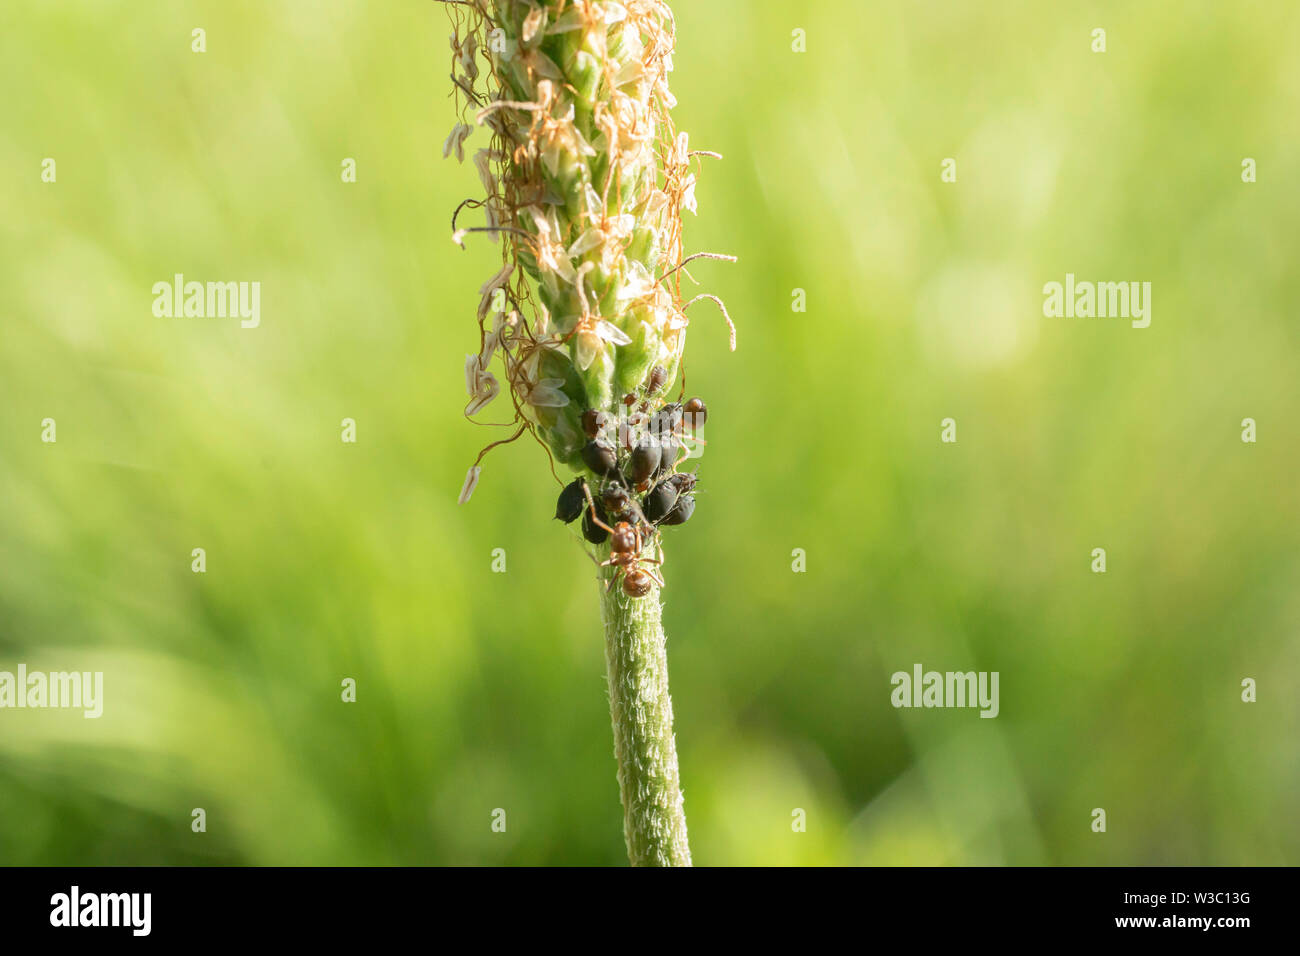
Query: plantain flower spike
[[584, 181]]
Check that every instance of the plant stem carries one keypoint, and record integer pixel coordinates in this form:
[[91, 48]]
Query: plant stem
[[654, 821]]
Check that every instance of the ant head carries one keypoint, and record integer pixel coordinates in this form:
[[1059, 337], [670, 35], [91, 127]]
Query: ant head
[[615, 500]]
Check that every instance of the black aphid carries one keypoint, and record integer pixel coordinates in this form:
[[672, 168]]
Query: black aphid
[[682, 511], [571, 501], [600, 456]]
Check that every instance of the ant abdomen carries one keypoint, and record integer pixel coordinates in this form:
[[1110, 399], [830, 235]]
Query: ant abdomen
[[636, 583]]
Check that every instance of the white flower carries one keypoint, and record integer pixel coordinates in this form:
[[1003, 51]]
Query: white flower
[[560, 138], [490, 342], [585, 243], [535, 21], [465, 56], [480, 384], [456, 141], [546, 394], [493, 220], [637, 284], [541, 321], [608, 234], [551, 256], [535, 62], [489, 287], [688, 194], [472, 369], [482, 162], [485, 388], [591, 334], [652, 212], [471, 482], [531, 359], [678, 155], [629, 72]]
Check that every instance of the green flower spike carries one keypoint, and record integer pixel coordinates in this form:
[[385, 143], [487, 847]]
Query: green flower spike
[[585, 181]]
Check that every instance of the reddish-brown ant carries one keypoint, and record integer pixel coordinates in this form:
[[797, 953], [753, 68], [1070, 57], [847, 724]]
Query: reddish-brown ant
[[625, 547]]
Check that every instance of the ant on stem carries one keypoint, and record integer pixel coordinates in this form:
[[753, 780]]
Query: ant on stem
[[626, 545]]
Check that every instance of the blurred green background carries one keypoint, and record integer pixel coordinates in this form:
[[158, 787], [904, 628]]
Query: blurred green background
[[478, 690]]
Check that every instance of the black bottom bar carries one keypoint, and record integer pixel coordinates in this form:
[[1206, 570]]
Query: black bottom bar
[[337, 905]]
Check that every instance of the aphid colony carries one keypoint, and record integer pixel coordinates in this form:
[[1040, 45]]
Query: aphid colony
[[634, 486]]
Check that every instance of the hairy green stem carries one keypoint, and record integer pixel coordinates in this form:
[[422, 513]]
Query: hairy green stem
[[654, 820]]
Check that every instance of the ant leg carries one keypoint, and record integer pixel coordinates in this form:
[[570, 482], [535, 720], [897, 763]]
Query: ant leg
[[659, 553], [614, 578], [655, 578], [592, 505]]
